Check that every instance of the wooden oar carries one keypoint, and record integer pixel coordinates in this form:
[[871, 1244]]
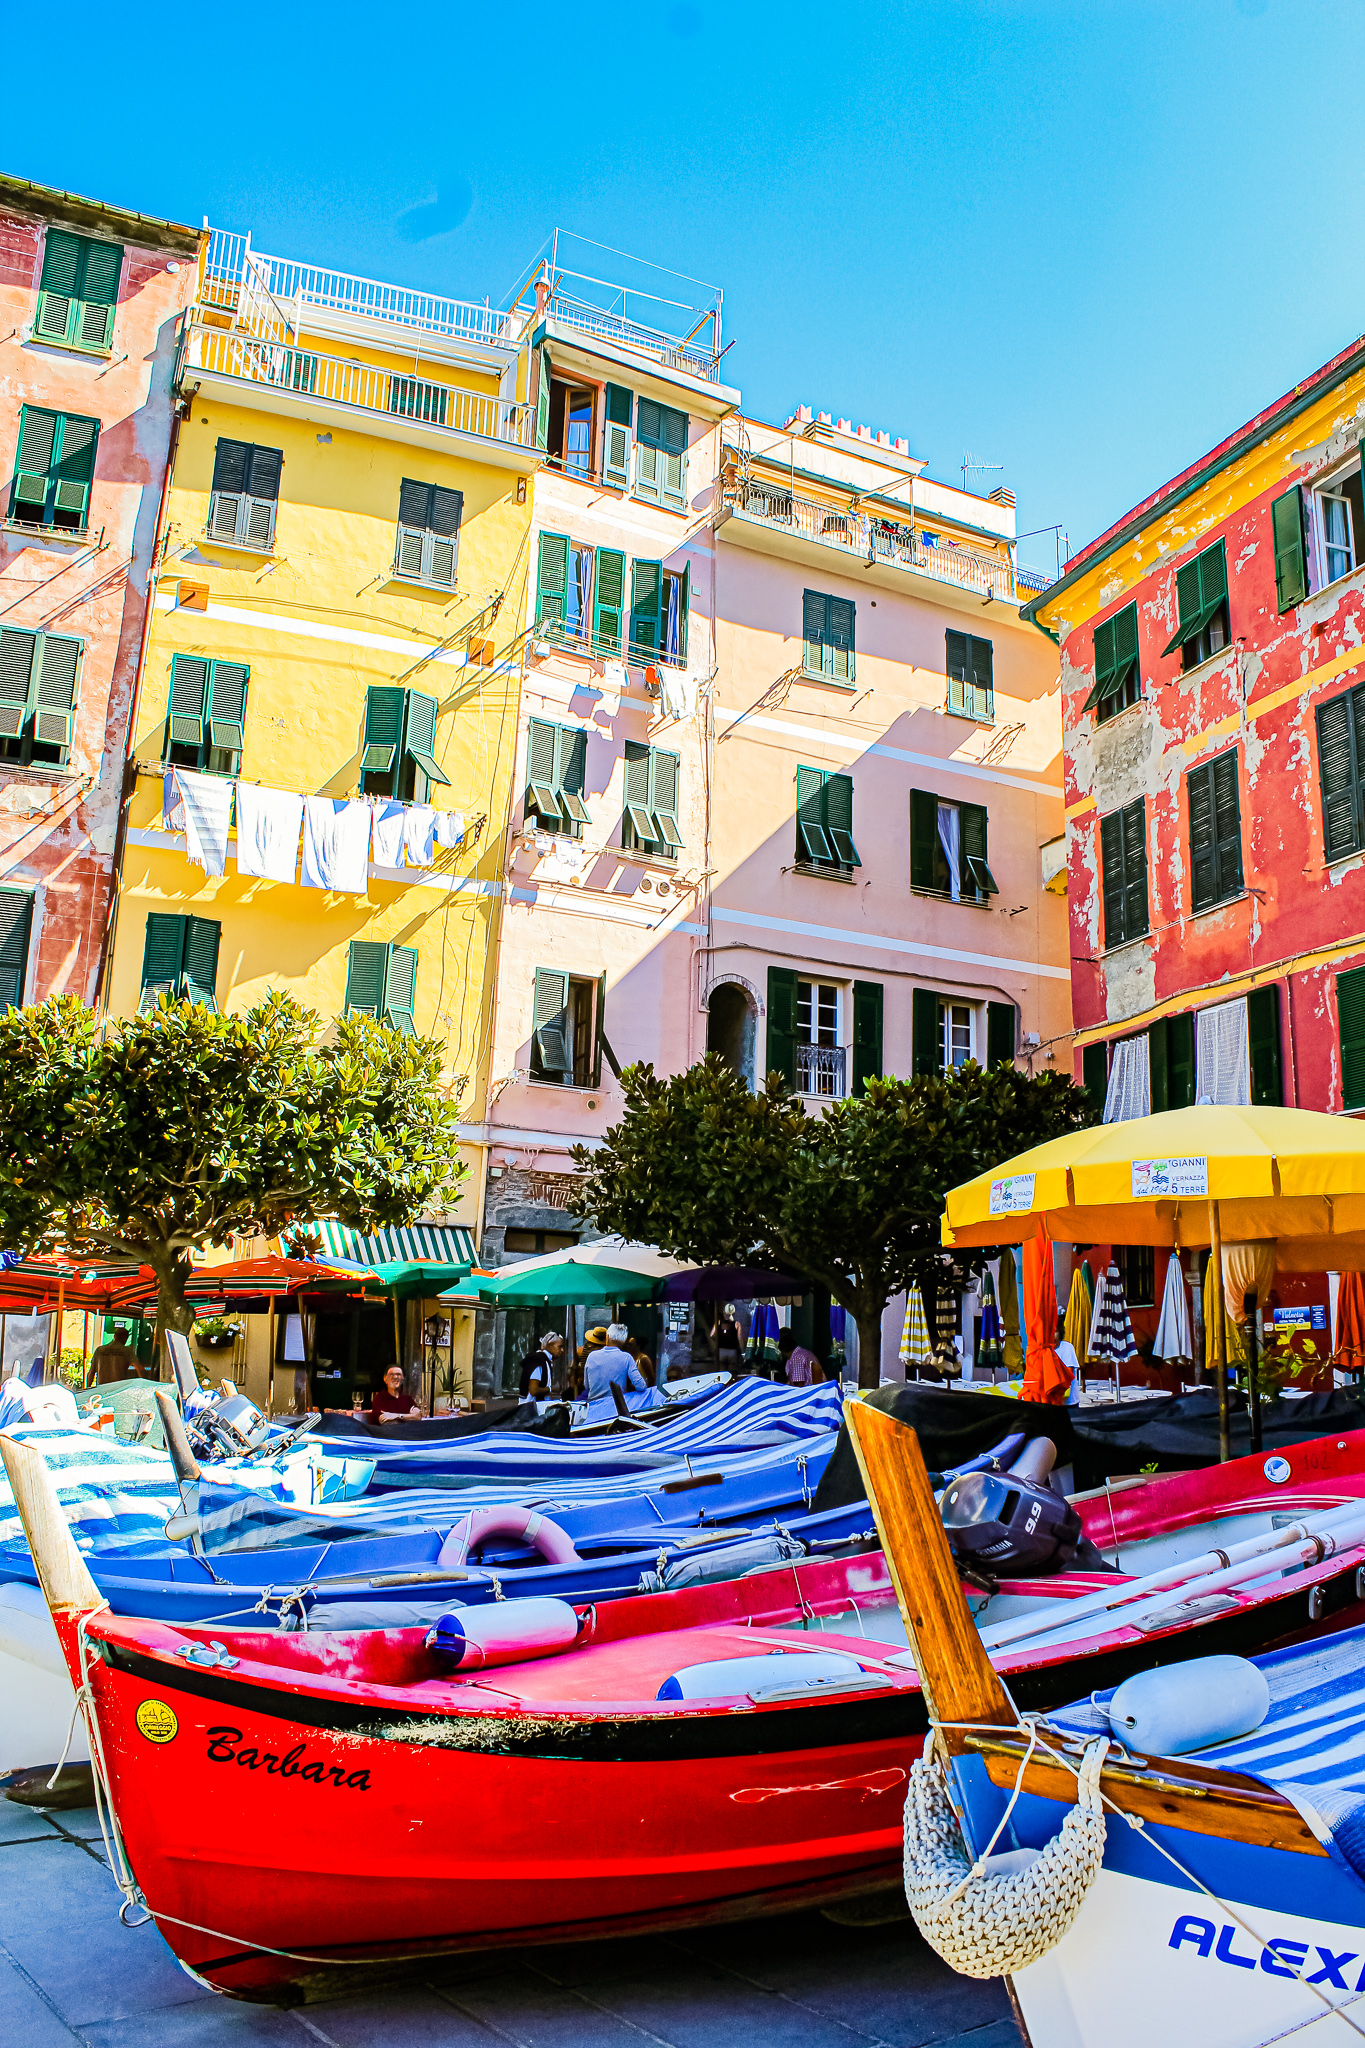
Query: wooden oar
[[67, 1586]]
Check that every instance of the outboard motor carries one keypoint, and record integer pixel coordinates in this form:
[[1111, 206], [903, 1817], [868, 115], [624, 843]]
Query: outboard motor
[[1007, 1524], [238, 1424]]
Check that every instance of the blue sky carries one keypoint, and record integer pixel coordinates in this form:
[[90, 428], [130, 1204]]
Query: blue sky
[[1081, 241]]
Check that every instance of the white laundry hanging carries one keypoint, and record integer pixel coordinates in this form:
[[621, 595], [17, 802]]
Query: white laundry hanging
[[678, 691], [1222, 1057], [205, 804], [268, 822], [336, 844], [419, 834], [1130, 1081], [450, 828], [386, 829]]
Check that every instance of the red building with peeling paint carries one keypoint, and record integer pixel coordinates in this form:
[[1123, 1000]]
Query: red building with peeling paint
[[91, 306]]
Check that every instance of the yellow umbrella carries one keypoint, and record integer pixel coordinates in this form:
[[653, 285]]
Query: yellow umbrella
[[1079, 1311]]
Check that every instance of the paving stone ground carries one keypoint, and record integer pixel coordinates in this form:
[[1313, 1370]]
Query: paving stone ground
[[69, 1972]]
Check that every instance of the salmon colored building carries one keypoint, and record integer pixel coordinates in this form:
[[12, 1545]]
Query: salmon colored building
[[92, 300]]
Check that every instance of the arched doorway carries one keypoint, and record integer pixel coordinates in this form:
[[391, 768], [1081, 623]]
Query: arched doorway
[[731, 1028]]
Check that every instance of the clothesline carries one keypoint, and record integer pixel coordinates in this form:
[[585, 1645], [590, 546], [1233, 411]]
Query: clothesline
[[340, 834]]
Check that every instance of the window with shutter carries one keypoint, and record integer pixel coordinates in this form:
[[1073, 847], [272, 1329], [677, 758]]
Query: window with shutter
[[1123, 862], [1291, 561], [1339, 525], [661, 454], [1351, 1035], [38, 687], [206, 714], [426, 546], [16, 921], [400, 989], [675, 603], [975, 865], [925, 853], [1202, 597], [780, 1050], [1215, 832], [867, 1035], [244, 496], [827, 625], [926, 1036], [381, 738], [1171, 1062], [1001, 1026], [77, 292], [971, 677], [398, 744], [824, 823], [1118, 682], [366, 972], [542, 362], [1339, 771], [556, 774], [179, 960], [1263, 1045], [646, 590], [552, 1028], [616, 438], [552, 578], [649, 822], [1095, 1075], [199, 981], [54, 469], [419, 745], [610, 599]]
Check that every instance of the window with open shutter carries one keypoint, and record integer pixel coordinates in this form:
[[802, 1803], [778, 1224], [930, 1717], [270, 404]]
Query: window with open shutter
[[16, 922], [1095, 1075], [661, 454], [975, 865], [1215, 831], [827, 625], [616, 438], [77, 291], [971, 676], [1263, 1045], [646, 590], [245, 495], [609, 602], [180, 960], [556, 776], [206, 714], [383, 734], [824, 822], [1001, 1032], [426, 548], [419, 743], [1340, 725], [200, 978], [400, 989], [1171, 1062], [926, 1035], [1118, 682], [38, 687], [649, 822], [551, 1040], [1291, 554], [1202, 597], [867, 1035], [366, 966], [1123, 860], [924, 849], [676, 604], [780, 1051], [552, 578], [54, 470], [1351, 1031]]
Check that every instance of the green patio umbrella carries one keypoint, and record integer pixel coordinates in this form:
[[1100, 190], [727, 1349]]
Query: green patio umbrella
[[607, 1270]]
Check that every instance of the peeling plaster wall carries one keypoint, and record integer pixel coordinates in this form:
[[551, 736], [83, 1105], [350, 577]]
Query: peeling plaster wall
[[1258, 697], [58, 825]]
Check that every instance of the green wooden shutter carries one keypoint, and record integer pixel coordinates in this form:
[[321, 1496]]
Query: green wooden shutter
[[814, 608], [99, 290], [54, 690], [571, 771], [684, 609], [1291, 560], [1095, 1075], [1158, 1065], [542, 794], [616, 438], [599, 1033], [1187, 606], [188, 700], [1116, 658], [420, 741], [838, 653], [781, 1046], [542, 400], [551, 1049], [1180, 1061], [17, 650], [227, 705], [648, 452], [163, 955], [610, 597], [638, 814], [812, 841], [867, 1035], [383, 729], [202, 935], [1227, 824], [646, 596], [1104, 665], [74, 472], [1342, 821], [1263, 1042], [673, 460], [230, 462], [553, 577], [38, 438], [58, 286], [923, 839], [983, 679], [972, 849], [664, 775], [366, 971], [838, 816], [926, 1044], [400, 989], [1111, 871], [1351, 1029], [1135, 870], [958, 665], [1213, 580], [16, 921], [1203, 852], [1001, 1021]]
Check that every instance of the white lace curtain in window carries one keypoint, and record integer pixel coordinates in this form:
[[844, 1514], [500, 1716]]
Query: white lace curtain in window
[[949, 838], [1222, 1054], [1130, 1081]]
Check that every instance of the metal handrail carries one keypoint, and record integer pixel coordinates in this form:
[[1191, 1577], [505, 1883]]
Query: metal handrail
[[873, 537], [820, 1070], [424, 399], [613, 327]]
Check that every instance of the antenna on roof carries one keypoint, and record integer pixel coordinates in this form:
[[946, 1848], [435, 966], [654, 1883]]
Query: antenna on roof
[[970, 465]]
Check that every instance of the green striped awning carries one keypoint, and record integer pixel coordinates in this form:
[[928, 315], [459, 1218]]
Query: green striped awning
[[437, 1244]]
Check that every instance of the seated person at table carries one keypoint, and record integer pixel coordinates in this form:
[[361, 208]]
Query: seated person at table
[[391, 1402], [613, 1366]]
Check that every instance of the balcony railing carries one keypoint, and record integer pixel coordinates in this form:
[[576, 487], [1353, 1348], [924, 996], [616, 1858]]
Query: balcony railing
[[234, 271], [820, 1071], [363, 386], [874, 539], [672, 354]]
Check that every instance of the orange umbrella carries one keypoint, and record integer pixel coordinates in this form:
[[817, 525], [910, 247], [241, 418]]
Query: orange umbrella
[[1350, 1352], [1045, 1376]]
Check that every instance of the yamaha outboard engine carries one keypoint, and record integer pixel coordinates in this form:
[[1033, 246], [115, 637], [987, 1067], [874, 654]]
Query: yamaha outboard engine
[[1007, 1524]]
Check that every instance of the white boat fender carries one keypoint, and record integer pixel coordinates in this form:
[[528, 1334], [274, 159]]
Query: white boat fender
[[726, 1677], [1181, 1707], [523, 1525], [507, 1632]]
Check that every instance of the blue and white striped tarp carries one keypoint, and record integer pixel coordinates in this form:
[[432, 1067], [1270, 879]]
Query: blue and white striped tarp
[[437, 1244]]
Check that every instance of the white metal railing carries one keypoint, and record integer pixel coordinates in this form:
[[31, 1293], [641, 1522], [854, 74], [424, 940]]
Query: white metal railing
[[673, 354], [820, 1070], [873, 538], [233, 353], [232, 269]]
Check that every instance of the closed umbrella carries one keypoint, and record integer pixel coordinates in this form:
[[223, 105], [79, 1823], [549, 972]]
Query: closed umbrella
[[1009, 1314], [990, 1353], [915, 1345], [1174, 1341], [1111, 1334], [1046, 1378], [1080, 1307], [1350, 1352]]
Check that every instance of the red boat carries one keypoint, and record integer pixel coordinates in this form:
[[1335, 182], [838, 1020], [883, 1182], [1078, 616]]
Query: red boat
[[300, 1810]]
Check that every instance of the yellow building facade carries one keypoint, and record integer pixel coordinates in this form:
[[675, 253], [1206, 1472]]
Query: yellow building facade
[[341, 586]]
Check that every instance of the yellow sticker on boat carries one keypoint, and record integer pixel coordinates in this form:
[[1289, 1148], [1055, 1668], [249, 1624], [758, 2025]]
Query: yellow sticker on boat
[[156, 1721]]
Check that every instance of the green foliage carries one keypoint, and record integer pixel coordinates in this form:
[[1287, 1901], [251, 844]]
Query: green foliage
[[145, 1137], [850, 1200]]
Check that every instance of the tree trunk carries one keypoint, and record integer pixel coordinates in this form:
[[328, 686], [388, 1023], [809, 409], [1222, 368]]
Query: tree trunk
[[173, 1312], [870, 1349]]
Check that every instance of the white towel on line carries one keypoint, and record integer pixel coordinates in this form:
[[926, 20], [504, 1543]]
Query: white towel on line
[[336, 844], [387, 833], [419, 833], [268, 822], [205, 803], [450, 828]]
